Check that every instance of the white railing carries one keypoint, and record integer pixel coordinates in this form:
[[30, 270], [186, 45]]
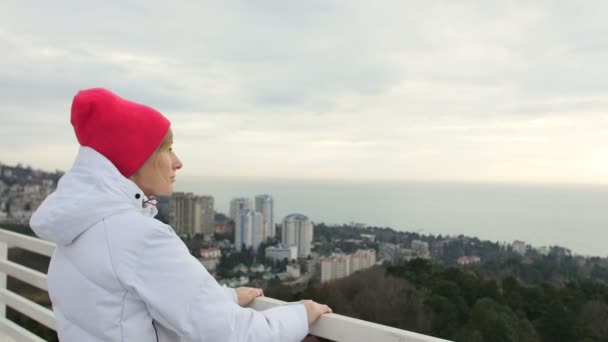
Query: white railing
[[342, 328], [331, 326], [27, 275]]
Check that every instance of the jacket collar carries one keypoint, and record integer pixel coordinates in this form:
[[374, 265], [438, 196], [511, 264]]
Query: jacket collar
[[91, 191]]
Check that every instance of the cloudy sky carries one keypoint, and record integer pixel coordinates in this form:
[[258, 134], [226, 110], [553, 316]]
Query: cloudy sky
[[500, 91]]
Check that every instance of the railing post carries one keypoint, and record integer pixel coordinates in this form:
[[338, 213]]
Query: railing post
[[3, 256]]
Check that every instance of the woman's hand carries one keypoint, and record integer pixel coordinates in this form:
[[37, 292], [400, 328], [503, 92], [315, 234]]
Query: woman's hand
[[246, 295], [314, 310]]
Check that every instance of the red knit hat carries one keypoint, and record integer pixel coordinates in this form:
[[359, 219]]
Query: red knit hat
[[125, 132]]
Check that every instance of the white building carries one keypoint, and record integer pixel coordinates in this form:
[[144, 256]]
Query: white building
[[293, 271], [248, 230], [280, 252], [210, 258], [335, 267], [519, 247], [212, 252], [340, 265], [298, 231], [362, 259], [234, 282], [238, 204], [421, 249], [265, 205], [466, 260]]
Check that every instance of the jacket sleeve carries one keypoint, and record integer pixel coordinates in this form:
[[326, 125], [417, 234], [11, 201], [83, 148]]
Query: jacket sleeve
[[231, 293], [181, 295]]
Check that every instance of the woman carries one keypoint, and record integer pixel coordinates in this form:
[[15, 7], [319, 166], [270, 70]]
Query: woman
[[118, 274]]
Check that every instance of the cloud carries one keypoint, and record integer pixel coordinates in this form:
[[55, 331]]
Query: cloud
[[393, 89]]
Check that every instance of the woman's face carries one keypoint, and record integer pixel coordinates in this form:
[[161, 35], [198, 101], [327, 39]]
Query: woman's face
[[157, 175]]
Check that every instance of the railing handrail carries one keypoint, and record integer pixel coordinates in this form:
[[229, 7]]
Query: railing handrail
[[343, 328], [29, 243], [330, 326]]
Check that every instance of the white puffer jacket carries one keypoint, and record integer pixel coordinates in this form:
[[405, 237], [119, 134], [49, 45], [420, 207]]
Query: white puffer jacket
[[118, 274]]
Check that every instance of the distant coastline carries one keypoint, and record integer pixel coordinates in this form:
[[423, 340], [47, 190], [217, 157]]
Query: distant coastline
[[571, 216], [566, 215]]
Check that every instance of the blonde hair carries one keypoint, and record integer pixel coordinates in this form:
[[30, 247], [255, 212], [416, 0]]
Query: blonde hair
[[164, 145]]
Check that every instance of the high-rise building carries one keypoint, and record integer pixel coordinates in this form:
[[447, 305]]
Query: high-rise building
[[297, 231], [185, 213], [265, 205], [207, 216], [238, 204], [248, 230]]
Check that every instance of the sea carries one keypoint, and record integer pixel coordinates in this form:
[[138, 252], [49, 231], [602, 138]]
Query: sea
[[571, 216]]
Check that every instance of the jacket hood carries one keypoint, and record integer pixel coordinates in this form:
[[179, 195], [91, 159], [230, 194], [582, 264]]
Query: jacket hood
[[91, 191]]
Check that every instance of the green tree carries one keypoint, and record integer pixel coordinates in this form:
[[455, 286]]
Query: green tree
[[558, 323], [497, 323]]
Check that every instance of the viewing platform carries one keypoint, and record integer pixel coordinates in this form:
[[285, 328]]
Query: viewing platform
[[330, 326]]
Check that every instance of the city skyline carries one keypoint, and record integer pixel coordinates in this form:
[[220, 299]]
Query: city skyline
[[354, 91]]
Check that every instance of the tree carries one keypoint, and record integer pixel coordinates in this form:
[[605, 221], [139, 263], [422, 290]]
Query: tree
[[594, 314], [497, 323], [558, 323]]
